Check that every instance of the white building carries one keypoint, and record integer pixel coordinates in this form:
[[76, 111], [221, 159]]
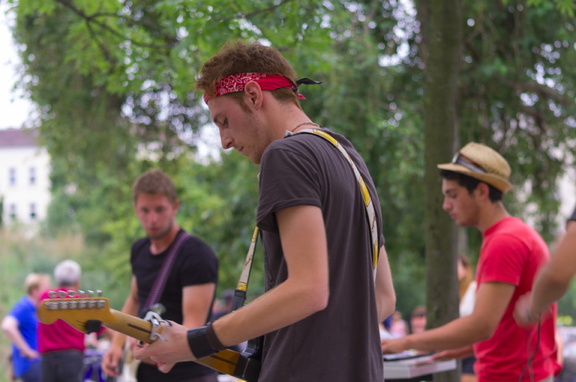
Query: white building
[[24, 177]]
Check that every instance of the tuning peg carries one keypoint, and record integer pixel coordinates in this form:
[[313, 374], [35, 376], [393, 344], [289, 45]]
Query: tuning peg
[[71, 293], [62, 293], [52, 294], [99, 293], [90, 293], [81, 292]]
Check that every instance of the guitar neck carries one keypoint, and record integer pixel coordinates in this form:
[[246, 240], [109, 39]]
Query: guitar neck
[[226, 361], [78, 312], [131, 326]]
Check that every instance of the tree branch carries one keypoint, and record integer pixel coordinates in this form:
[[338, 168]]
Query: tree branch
[[256, 12], [93, 19]]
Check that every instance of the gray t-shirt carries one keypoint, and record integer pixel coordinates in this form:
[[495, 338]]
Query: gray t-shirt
[[340, 343]]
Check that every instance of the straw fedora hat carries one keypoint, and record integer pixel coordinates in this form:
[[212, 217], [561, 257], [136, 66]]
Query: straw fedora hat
[[483, 163]]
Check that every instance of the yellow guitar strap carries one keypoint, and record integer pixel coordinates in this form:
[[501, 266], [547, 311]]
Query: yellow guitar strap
[[242, 286], [370, 211]]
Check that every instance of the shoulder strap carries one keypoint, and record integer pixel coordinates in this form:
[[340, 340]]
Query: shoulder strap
[[160, 282], [242, 286], [370, 211]]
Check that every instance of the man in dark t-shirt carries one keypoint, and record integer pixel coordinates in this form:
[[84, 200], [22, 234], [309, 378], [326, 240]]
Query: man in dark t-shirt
[[552, 281], [189, 289], [328, 281]]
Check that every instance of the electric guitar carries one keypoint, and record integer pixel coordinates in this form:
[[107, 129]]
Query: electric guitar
[[87, 314]]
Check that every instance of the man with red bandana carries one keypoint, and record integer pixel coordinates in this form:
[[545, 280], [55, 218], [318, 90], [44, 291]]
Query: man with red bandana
[[511, 254], [328, 283]]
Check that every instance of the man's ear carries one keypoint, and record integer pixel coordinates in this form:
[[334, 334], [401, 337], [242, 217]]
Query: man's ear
[[483, 190], [253, 93]]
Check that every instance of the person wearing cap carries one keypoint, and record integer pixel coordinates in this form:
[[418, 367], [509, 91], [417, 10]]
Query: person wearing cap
[[552, 280], [511, 254], [324, 296]]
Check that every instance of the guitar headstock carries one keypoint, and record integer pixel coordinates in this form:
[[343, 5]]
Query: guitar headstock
[[74, 308]]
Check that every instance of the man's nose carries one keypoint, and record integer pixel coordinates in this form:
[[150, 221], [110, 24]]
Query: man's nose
[[225, 140]]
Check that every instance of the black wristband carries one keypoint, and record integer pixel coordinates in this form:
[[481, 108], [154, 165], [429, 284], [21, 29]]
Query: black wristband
[[213, 339], [198, 342], [203, 341]]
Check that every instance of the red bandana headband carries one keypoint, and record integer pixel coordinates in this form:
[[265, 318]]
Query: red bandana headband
[[236, 82]]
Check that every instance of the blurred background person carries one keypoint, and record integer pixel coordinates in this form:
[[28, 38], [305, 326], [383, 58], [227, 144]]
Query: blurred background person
[[21, 328], [467, 287], [61, 345], [398, 326], [418, 319], [224, 305]]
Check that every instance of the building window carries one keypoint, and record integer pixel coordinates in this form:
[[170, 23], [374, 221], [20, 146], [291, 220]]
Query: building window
[[32, 176], [12, 176], [33, 211], [12, 211]]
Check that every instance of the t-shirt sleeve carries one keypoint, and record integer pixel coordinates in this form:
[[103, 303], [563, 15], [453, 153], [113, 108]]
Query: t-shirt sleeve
[[287, 179], [504, 260], [199, 264], [16, 311]]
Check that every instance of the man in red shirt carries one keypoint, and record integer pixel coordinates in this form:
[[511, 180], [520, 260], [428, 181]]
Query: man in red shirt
[[511, 254]]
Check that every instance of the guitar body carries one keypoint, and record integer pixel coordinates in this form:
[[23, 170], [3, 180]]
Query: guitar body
[[250, 360], [82, 313]]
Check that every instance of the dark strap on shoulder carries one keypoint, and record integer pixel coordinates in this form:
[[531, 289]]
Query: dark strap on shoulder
[[160, 282]]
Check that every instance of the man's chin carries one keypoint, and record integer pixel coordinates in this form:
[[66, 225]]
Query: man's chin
[[156, 235]]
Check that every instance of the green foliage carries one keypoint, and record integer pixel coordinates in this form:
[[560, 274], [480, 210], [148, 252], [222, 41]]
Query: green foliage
[[114, 84], [518, 96], [22, 254]]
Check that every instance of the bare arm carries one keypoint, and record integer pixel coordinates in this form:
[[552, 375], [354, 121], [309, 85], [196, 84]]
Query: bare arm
[[385, 295], [491, 303], [196, 304], [10, 327], [552, 281], [304, 293]]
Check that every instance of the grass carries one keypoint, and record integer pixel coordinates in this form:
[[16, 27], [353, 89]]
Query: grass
[[22, 252]]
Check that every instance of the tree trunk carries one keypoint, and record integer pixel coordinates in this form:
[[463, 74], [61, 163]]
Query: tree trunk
[[441, 53]]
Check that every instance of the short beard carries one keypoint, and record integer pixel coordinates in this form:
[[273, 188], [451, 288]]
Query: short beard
[[161, 235]]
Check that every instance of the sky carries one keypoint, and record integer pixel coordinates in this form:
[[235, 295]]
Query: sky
[[14, 108]]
